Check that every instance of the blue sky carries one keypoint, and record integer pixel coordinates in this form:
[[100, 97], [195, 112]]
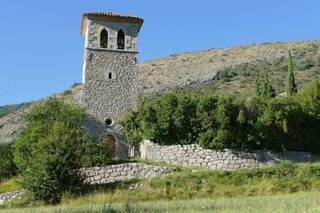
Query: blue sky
[[41, 47]]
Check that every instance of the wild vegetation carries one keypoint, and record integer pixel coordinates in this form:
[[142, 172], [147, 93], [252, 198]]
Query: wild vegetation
[[5, 110], [190, 184], [239, 80], [249, 115], [295, 203], [217, 122], [52, 148], [7, 165], [238, 68]]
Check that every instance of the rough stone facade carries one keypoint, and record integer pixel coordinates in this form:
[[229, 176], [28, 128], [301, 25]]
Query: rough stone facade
[[218, 159], [110, 76], [124, 172], [10, 196], [95, 27]]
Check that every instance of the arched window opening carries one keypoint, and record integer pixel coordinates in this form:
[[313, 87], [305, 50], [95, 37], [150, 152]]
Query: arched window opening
[[120, 40], [104, 38]]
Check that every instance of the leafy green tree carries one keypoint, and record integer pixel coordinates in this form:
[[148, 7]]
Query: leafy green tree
[[185, 119], [170, 119], [97, 153], [131, 128], [148, 121], [7, 165], [280, 125], [268, 91], [218, 119], [291, 87], [310, 98], [49, 151]]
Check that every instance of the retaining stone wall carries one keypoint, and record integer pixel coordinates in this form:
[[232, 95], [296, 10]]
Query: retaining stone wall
[[109, 174], [124, 172], [10, 196], [218, 159]]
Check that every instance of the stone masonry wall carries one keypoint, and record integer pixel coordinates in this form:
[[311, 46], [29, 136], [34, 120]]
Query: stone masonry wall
[[10, 196], [218, 159], [124, 172], [109, 174], [109, 98], [129, 29], [110, 80]]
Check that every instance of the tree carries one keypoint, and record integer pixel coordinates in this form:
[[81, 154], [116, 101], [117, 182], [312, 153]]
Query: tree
[[7, 166], [131, 127], [310, 98], [49, 151], [291, 87], [268, 91]]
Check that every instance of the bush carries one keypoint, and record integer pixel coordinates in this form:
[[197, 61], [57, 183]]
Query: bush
[[169, 119], [131, 127], [218, 122], [97, 153], [49, 151], [218, 119], [7, 165]]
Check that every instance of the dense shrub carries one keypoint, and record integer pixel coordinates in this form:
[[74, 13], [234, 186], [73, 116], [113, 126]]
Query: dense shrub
[[49, 151], [218, 122], [170, 119], [7, 165], [131, 127], [217, 117], [97, 153]]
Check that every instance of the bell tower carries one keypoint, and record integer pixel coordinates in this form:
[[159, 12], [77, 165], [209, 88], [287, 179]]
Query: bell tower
[[110, 73]]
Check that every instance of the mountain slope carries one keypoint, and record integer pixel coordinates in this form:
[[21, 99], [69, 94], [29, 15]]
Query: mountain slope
[[214, 71], [12, 124], [197, 67]]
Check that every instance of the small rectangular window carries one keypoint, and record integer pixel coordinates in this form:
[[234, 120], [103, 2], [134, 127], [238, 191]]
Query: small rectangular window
[[110, 75]]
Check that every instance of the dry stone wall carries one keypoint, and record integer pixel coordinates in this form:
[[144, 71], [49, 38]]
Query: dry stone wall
[[10, 196], [109, 174], [218, 159], [124, 172]]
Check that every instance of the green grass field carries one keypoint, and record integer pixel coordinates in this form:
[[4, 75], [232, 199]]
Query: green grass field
[[9, 185], [192, 184], [298, 202]]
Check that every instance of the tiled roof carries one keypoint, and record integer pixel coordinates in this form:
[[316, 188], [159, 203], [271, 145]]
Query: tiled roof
[[108, 16]]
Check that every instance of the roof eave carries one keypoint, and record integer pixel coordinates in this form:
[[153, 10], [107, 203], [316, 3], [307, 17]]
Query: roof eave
[[85, 19]]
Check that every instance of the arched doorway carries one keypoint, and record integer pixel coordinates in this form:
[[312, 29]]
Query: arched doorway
[[111, 141]]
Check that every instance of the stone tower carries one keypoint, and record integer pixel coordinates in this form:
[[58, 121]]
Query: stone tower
[[110, 75]]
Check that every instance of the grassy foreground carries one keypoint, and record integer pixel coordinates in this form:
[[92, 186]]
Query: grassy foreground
[[192, 190], [9, 185], [298, 202]]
